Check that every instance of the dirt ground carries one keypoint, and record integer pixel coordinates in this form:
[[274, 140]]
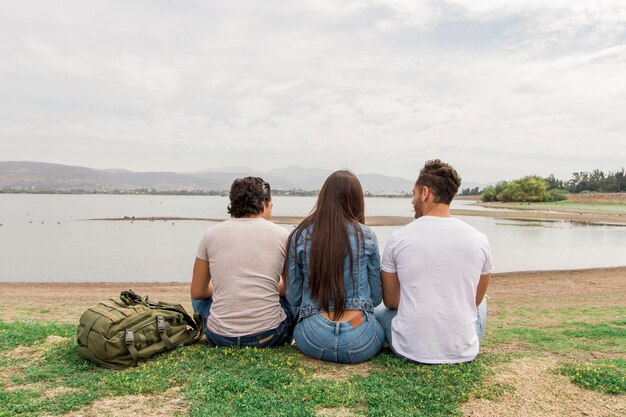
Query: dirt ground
[[555, 289], [539, 391], [598, 197], [66, 301]]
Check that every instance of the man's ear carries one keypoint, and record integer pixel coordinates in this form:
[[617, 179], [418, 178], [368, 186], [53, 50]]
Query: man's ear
[[267, 209], [425, 193]]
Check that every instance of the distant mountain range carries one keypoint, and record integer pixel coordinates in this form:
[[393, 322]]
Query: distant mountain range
[[41, 176]]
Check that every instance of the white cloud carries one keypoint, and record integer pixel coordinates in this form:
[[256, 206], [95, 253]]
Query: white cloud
[[499, 88], [154, 78]]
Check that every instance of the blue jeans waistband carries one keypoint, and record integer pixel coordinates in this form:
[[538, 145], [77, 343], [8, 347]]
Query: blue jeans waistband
[[253, 338], [337, 327], [351, 304]]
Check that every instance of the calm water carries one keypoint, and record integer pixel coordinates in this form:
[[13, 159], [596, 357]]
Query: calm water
[[46, 237]]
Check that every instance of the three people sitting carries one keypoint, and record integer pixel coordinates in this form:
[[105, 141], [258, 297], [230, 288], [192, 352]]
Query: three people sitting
[[435, 273]]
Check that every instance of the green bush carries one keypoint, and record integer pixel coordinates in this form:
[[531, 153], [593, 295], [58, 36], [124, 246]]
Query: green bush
[[530, 189], [556, 195], [488, 194]]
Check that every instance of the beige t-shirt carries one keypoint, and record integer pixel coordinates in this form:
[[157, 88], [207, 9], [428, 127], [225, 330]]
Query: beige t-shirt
[[245, 258]]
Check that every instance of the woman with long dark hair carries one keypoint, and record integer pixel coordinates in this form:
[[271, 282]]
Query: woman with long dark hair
[[332, 272]]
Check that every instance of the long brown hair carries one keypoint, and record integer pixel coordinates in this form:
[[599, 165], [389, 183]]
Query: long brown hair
[[340, 204]]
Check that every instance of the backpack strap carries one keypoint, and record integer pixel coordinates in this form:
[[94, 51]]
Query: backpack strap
[[199, 319], [129, 338], [84, 334], [161, 329], [196, 322], [130, 298]]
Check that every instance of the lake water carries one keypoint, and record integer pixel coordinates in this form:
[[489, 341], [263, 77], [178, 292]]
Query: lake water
[[47, 237]]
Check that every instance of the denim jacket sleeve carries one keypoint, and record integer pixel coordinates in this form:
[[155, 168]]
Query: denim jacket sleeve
[[295, 277], [373, 273]]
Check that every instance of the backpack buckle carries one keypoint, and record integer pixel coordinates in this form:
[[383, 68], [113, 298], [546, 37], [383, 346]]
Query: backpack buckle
[[129, 337], [160, 324]]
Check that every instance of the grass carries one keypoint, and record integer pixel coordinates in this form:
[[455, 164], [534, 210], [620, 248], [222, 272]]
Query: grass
[[613, 207], [218, 382], [571, 206], [608, 376], [26, 333], [563, 331]]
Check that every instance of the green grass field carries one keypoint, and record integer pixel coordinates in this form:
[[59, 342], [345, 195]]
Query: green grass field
[[615, 207], [41, 372], [569, 206], [220, 382]]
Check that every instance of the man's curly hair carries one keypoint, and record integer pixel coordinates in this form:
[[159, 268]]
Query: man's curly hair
[[247, 196], [441, 178]]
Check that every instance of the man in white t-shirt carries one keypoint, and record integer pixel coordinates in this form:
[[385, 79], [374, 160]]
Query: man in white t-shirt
[[435, 274], [237, 284]]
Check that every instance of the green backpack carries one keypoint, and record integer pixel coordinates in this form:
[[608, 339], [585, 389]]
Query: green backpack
[[117, 334]]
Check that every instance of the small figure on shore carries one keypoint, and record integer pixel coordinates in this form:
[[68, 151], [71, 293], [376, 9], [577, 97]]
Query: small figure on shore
[[435, 273], [236, 283], [333, 276]]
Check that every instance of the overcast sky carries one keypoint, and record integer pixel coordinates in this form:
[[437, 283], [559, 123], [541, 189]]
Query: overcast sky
[[500, 89]]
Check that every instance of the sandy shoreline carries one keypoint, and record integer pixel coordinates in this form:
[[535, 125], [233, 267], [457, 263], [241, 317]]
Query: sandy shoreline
[[66, 301], [577, 217]]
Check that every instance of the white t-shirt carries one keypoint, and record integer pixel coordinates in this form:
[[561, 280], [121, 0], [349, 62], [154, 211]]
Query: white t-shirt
[[439, 261], [245, 258]]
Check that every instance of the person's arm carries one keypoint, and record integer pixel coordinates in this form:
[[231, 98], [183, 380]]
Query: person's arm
[[391, 289], [282, 290], [482, 288], [391, 283], [373, 274], [201, 286], [282, 285], [295, 278]]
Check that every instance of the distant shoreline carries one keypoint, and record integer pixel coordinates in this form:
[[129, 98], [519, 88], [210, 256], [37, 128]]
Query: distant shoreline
[[614, 219], [275, 193]]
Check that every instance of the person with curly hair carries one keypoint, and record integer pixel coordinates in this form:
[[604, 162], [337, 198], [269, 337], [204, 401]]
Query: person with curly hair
[[236, 284], [435, 273]]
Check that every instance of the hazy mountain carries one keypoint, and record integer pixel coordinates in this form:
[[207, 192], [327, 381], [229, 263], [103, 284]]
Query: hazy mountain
[[42, 176], [376, 183], [292, 177], [297, 174], [237, 170], [47, 177]]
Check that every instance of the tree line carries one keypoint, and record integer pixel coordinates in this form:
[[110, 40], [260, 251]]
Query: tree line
[[533, 188], [592, 181]]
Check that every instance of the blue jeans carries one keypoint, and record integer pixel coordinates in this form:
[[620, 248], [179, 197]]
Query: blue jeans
[[273, 337], [320, 338], [384, 316]]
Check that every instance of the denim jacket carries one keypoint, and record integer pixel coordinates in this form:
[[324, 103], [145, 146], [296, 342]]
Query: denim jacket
[[365, 294]]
